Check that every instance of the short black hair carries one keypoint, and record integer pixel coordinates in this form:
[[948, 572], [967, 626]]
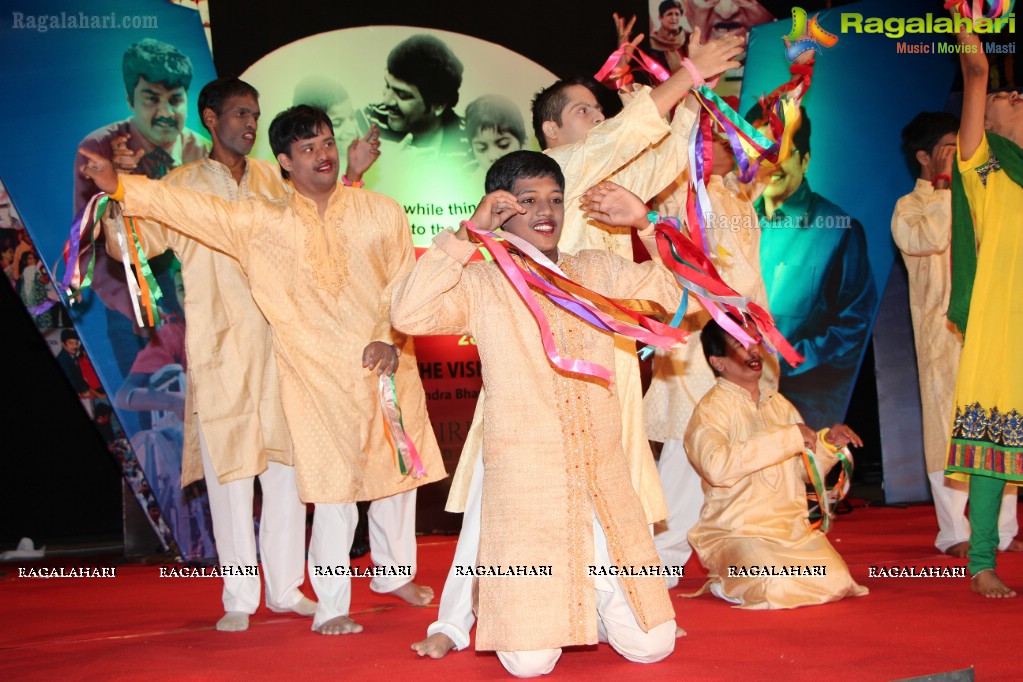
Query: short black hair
[[800, 139], [427, 63], [923, 133], [714, 340], [667, 5], [300, 122], [522, 164], [68, 335], [550, 102], [216, 92], [156, 62]]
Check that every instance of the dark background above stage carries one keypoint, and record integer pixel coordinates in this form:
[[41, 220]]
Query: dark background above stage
[[567, 37]]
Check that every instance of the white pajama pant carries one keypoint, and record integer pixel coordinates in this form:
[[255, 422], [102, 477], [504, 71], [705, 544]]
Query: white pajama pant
[[281, 535], [392, 539], [616, 625], [683, 492], [950, 498], [455, 617]]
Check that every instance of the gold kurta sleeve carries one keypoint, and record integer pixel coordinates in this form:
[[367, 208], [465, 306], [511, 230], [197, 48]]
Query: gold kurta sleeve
[[754, 522], [922, 229]]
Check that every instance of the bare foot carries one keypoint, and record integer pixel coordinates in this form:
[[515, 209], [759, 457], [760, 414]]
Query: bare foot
[[959, 550], [679, 632], [305, 607], [434, 646], [988, 584], [233, 621], [417, 595], [342, 625], [1015, 546]]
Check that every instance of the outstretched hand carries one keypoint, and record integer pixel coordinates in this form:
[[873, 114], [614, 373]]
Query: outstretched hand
[[612, 204], [716, 56], [99, 170], [363, 153]]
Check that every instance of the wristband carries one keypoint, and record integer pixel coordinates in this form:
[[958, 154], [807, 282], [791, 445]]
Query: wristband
[[941, 176], [694, 73], [348, 183]]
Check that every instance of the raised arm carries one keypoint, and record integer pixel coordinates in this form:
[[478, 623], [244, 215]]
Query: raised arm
[[434, 299], [709, 59], [227, 226], [975, 78]]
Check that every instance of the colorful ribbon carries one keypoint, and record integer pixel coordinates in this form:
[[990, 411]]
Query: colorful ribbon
[[402, 447], [694, 271], [616, 69], [630, 318], [85, 229], [826, 499]]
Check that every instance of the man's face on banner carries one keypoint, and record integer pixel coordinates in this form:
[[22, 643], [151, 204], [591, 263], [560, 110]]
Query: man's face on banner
[[406, 109], [787, 178], [719, 18], [672, 20], [159, 112]]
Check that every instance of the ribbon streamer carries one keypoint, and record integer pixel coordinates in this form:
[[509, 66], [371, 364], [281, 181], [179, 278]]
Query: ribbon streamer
[[85, 229], [633, 319], [695, 271], [402, 447], [827, 499]]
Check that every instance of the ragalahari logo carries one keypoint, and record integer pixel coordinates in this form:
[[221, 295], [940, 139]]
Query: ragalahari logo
[[806, 35]]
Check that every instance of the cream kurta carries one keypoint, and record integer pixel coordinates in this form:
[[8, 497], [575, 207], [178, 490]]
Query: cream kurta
[[232, 379], [552, 446], [681, 377], [755, 511], [922, 229], [635, 150], [324, 286]]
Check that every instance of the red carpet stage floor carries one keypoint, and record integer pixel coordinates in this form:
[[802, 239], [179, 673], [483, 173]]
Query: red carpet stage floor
[[140, 626]]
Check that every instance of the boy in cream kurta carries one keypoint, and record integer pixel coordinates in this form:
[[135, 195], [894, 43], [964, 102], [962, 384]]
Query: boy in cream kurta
[[556, 488], [321, 266], [745, 442], [640, 151]]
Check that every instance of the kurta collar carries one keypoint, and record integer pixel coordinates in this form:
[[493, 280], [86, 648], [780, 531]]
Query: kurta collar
[[765, 393]]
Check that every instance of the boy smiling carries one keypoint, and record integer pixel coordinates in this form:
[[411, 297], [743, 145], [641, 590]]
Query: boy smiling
[[571, 465]]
